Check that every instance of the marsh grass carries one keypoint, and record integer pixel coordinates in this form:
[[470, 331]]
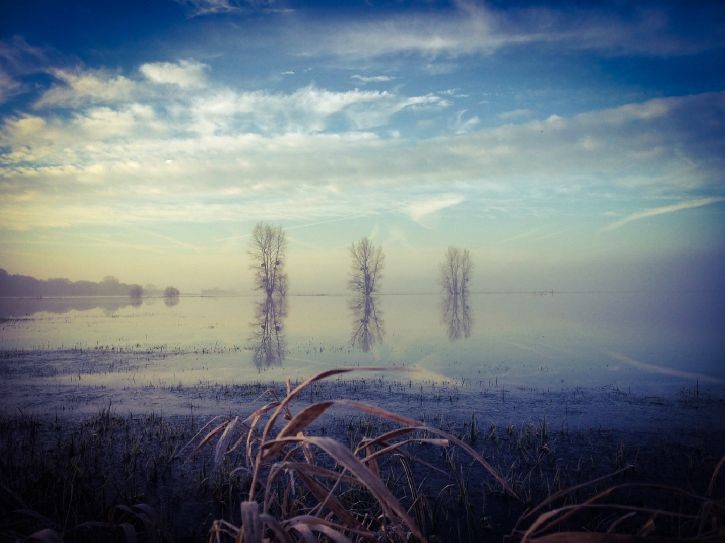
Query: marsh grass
[[626, 512], [304, 484], [66, 479]]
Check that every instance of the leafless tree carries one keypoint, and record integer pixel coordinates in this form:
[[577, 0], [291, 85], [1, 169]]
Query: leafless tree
[[267, 341], [268, 250], [367, 266], [456, 271]]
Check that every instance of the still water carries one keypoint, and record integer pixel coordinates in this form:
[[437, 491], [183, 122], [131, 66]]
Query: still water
[[639, 342]]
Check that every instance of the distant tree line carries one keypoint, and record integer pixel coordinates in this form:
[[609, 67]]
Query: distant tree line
[[24, 285]]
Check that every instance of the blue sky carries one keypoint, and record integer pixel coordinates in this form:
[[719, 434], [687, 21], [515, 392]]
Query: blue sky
[[568, 145]]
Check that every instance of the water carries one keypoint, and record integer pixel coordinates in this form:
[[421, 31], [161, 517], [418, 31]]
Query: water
[[652, 344]]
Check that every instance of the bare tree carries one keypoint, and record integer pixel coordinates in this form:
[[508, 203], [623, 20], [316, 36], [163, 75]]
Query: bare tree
[[367, 266], [456, 271], [267, 249]]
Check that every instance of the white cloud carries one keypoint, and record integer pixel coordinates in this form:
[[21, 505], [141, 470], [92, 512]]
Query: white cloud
[[208, 7], [663, 210], [185, 73], [422, 209], [308, 109], [515, 114], [80, 86], [462, 125], [229, 154], [8, 86], [372, 78]]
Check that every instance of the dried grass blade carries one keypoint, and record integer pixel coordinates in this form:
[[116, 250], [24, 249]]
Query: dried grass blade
[[298, 423], [274, 525], [475, 455], [208, 437], [129, 532], [377, 488], [713, 479], [614, 525], [367, 442], [320, 376], [331, 502], [305, 532], [568, 510], [380, 412], [283, 405], [330, 533], [196, 435], [596, 537], [251, 523], [46, 535], [220, 449], [395, 446], [570, 490]]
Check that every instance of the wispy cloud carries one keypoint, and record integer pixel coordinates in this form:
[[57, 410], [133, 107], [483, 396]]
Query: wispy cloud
[[515, 114], [199, 8], [185, 73], [471, 28], [424, 208], [372, 78], [663, 210], [78, 86]]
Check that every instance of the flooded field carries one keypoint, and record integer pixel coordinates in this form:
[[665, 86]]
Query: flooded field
[[556, 355]]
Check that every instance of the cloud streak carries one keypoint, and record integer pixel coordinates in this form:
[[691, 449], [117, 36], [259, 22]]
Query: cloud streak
[[663, 210], [472, 28]]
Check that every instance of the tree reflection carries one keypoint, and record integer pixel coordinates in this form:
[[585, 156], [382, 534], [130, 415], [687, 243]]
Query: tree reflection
[[455, 276], [456, 314], [368, 324], [267, 341]]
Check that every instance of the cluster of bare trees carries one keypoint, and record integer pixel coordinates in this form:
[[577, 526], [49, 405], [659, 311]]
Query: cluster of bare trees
[[268, 253]]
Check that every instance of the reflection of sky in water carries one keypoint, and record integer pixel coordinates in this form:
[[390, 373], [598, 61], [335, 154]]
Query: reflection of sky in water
[[641, 341]]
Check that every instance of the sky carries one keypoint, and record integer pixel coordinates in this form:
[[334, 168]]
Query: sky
[[568, 145]]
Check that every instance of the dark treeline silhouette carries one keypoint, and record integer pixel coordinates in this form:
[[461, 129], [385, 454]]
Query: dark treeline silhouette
[[367, 266], [268, 251], [24, 285], [15, 307]]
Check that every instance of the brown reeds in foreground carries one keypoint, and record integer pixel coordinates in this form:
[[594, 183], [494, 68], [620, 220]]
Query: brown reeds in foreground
[[613, 516], [298, 494]]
